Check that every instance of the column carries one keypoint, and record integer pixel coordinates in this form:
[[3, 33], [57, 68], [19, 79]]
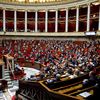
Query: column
[[99, 19], [25, 21], [88, 18], [77, 19], [56, 21], [66, 24], [46, 21], [36, 17], [4, 21], [15, 21]]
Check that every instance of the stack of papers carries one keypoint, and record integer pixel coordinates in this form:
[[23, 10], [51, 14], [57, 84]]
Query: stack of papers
[[85, 94]]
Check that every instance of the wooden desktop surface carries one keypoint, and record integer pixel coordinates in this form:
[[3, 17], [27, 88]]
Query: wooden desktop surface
[[1, 62]]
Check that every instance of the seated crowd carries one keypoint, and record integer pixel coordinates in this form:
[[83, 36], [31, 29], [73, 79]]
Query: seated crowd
[[60, 58]]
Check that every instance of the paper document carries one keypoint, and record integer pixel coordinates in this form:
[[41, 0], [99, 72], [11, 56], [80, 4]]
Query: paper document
[[85, 94]]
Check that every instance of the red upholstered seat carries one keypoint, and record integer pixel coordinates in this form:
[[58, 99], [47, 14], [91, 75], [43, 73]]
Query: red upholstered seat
[[0, 55], [21, 59], [13, 98]]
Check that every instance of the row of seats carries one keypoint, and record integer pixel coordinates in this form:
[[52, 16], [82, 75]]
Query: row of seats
[[88, 84]]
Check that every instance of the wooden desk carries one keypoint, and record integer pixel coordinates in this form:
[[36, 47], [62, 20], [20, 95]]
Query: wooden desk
[[1, 62], [1, 69], [9, 57]]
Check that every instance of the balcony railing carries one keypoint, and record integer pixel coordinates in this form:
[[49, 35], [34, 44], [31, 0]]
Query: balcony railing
[[25, 2]]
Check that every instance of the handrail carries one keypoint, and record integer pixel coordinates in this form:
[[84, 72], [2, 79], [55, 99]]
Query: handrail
[[52, 93], [41, 86], [11, 69]]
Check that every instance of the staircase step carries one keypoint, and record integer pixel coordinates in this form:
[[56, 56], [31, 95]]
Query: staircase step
[[4, 97], [15, 82], [6, 71], [7, 95], [10, 86], [14, 88], [7, 77], [6, 74], [9, 82], [10, 93]]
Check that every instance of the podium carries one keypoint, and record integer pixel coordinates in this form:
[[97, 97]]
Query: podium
[[1, 69], [9, 61]]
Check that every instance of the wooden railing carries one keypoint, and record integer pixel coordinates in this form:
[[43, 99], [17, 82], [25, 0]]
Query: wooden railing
[[42, 88], [60, 90]]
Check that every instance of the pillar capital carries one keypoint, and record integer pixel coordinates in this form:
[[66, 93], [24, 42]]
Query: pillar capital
[[46, 10], [36, 10], [57, 9], [26, 10], [14, 9], [88, 4], [77, 7], [67, 8]]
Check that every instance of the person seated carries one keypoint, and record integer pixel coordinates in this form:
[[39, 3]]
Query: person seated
[[85, 83], [58, 76], [32, 78], [49, 81], [17, 67], [22, 70], [92, 78], [96, 92]]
